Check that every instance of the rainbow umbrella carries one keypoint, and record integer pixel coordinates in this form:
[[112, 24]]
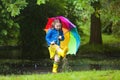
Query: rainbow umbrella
[[72, 38]]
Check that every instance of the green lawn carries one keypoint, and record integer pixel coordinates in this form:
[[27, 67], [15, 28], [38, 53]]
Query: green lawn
[[81, 75], [110, 39], [107, 39]]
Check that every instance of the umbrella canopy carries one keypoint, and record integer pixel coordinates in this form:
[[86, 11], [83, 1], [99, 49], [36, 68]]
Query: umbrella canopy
[[72, 38]]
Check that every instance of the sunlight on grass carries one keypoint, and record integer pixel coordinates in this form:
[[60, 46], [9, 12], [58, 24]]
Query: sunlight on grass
[[107, 39], [83, 75]]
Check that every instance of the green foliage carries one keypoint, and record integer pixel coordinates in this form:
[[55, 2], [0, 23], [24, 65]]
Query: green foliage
[[4, 32], [111, 10], [14, 6], [9, 28], [110, 13], [116, 29], [72, 11], [54, 8], [39, 2]]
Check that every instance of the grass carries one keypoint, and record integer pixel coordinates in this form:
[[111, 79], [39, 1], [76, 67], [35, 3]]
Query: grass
[[110, 47], [83, 75], [107, 39], [110, 39]]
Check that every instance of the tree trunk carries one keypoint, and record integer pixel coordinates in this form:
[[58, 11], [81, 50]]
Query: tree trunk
[[95, 30]]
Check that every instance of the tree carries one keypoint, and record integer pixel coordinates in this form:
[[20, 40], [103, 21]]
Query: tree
[[92, 10], [9, 28], [95, 30], [111, 17]]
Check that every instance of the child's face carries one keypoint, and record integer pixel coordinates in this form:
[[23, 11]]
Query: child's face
[[58, 26]]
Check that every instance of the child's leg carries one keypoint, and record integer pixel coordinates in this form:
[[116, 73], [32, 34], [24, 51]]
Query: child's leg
[[56, 52], [57, 58], [55, 48], [56, 62], [52, 50], [62, 52]]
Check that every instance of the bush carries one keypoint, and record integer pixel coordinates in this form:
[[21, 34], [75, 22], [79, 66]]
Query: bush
[[116, 29]]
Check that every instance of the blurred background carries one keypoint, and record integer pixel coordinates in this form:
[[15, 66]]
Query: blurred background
[[22, 35]]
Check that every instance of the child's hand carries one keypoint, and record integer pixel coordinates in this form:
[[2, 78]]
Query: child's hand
[[60, 37], [52, 42]]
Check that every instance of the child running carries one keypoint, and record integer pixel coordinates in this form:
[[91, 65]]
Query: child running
[[53, 38]]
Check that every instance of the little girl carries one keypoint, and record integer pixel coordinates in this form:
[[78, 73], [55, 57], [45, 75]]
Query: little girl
[[53, 38]]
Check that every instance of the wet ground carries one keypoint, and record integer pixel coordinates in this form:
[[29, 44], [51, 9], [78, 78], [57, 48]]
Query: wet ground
[[35, 68]]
